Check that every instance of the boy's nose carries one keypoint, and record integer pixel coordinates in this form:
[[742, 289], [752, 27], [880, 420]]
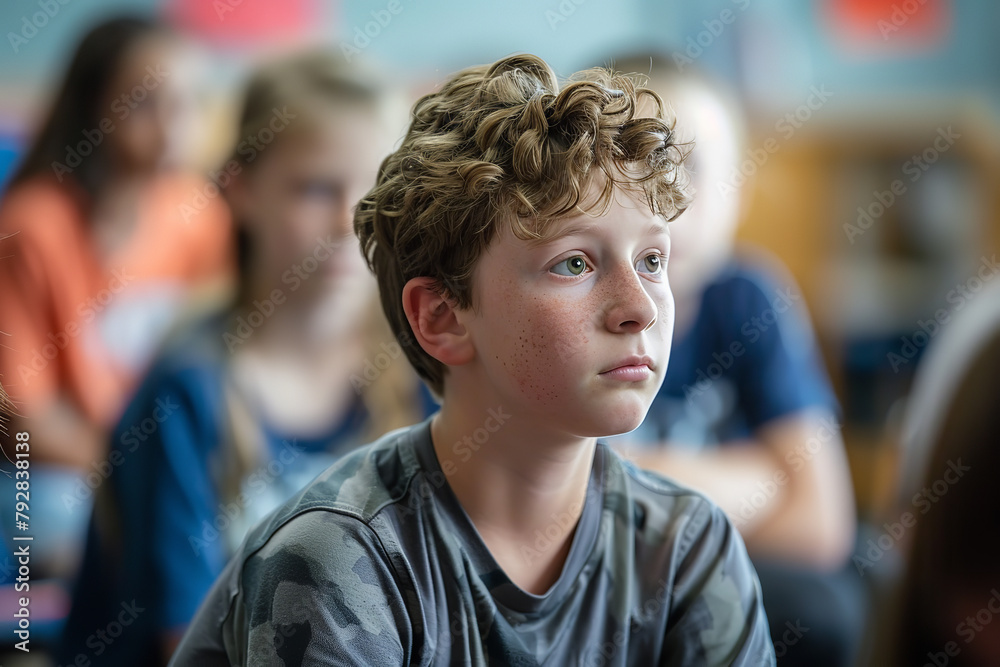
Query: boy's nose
[[632, 309]]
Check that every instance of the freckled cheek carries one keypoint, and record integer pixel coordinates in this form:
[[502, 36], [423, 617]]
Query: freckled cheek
[[572, 320], [552, 340]]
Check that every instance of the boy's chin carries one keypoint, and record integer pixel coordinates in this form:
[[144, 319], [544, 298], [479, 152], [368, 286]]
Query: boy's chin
[[624, 419], [621, 428]]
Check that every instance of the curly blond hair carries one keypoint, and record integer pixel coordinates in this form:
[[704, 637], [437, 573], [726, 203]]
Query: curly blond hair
[[503, 144]]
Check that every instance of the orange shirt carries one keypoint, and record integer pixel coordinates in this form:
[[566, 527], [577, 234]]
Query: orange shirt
[[71, 324]]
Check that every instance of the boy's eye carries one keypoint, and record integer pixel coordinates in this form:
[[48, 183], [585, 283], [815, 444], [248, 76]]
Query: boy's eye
[[650, 264], [573, 266]]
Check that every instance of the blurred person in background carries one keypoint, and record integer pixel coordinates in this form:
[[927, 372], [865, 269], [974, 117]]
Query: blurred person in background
[[746, 413], [246, 405], [99, 261], [948, 602]]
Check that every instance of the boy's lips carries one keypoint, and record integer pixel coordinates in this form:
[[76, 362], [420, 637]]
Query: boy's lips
[[631, 369]]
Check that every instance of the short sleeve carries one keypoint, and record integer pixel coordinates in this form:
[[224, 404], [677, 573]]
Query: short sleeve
[[321, 591], [782, 372], [717, 615]]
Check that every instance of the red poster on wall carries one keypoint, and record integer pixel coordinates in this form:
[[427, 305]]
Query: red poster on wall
[[246, 22], [889, 25]]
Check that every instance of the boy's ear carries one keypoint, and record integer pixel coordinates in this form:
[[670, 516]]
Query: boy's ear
[[435, 323]]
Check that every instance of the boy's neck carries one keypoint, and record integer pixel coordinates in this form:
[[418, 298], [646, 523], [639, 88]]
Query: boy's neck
[[516, 481]]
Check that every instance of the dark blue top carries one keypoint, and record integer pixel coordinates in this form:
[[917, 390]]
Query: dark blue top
[[162, 531], [749, 357]]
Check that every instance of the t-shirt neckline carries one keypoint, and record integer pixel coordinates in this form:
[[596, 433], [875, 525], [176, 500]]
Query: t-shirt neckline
[[504, 591]]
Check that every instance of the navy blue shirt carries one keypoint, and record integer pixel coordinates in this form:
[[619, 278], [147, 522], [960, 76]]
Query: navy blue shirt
[[748, 358], [163, 529]]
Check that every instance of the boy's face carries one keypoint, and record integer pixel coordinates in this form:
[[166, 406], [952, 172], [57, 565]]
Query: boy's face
[[575, 332]]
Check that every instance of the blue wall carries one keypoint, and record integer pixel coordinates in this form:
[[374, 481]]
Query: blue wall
[[780, 47]]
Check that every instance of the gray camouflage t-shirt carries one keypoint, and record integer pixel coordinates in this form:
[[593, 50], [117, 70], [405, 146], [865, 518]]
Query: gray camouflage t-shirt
[[376, 563]]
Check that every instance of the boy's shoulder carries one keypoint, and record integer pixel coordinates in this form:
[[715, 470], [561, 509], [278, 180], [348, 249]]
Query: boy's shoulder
[[353, 493], [348, 500], [661, 508], [359, 485]]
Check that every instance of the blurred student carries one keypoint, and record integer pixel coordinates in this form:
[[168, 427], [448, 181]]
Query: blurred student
[[746, 413], [99, 260], [246, 405], [949, 600]]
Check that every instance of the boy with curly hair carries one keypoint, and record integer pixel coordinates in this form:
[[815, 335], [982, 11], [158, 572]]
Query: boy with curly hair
[[519, 238]]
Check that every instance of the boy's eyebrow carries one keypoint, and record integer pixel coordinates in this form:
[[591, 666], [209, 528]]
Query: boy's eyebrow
[[658, 226], [568, 230]]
